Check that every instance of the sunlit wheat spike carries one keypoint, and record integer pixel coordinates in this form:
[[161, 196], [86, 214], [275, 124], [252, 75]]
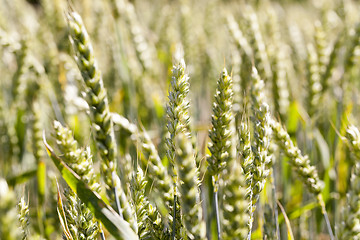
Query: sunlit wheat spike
[[178, 121], [80, 160], [353, 139], [314, 81], [257, 43], [96, 93], [141, 203], [301, 163], [96, 97], [238, 37], [178, 106], [246, 162], [236, 205], [350, 219], [350, 222], [262, 135], [220, 133], [81, 222], [188, 187], [156, 171], [155, 226]]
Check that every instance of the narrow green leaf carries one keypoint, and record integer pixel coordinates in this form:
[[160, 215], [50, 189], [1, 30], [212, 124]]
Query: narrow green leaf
[[293, 117], [287, 221], [41, 181], [41, 186], [21, 178], [62, 217], [116, 226], [323, 148], [299, 211]]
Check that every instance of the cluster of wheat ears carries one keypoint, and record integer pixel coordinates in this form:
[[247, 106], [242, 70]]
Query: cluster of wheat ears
[[102, 136]]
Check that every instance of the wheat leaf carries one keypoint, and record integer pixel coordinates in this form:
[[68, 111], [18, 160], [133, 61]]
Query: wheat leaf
[[116, 226]]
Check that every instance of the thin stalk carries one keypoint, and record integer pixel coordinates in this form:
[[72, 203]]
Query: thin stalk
[[174, 219], [40, 219], [275, 205], [116, 193], [102, 235], [251, 218], [252, 209], [326, 217], [217, 215]]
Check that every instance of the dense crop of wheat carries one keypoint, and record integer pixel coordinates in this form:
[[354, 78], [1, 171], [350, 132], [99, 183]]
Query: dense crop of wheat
[[209, 119]]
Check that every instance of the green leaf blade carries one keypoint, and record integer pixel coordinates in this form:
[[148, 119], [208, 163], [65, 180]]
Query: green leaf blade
[[116, 226]]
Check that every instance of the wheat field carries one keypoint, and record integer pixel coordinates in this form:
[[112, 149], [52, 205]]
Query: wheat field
[[208, 119]]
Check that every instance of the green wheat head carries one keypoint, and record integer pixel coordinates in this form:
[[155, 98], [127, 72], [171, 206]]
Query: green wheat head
[[220, 133]]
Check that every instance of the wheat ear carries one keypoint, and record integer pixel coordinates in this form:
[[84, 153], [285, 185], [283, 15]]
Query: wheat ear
[[80, 220], [178, 121], [236, 205], [300, 162], [24, 218], [220, 132], [247, 161], [350, 223], [262, 135], [100, 115], [189, 187], [221, 136]]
